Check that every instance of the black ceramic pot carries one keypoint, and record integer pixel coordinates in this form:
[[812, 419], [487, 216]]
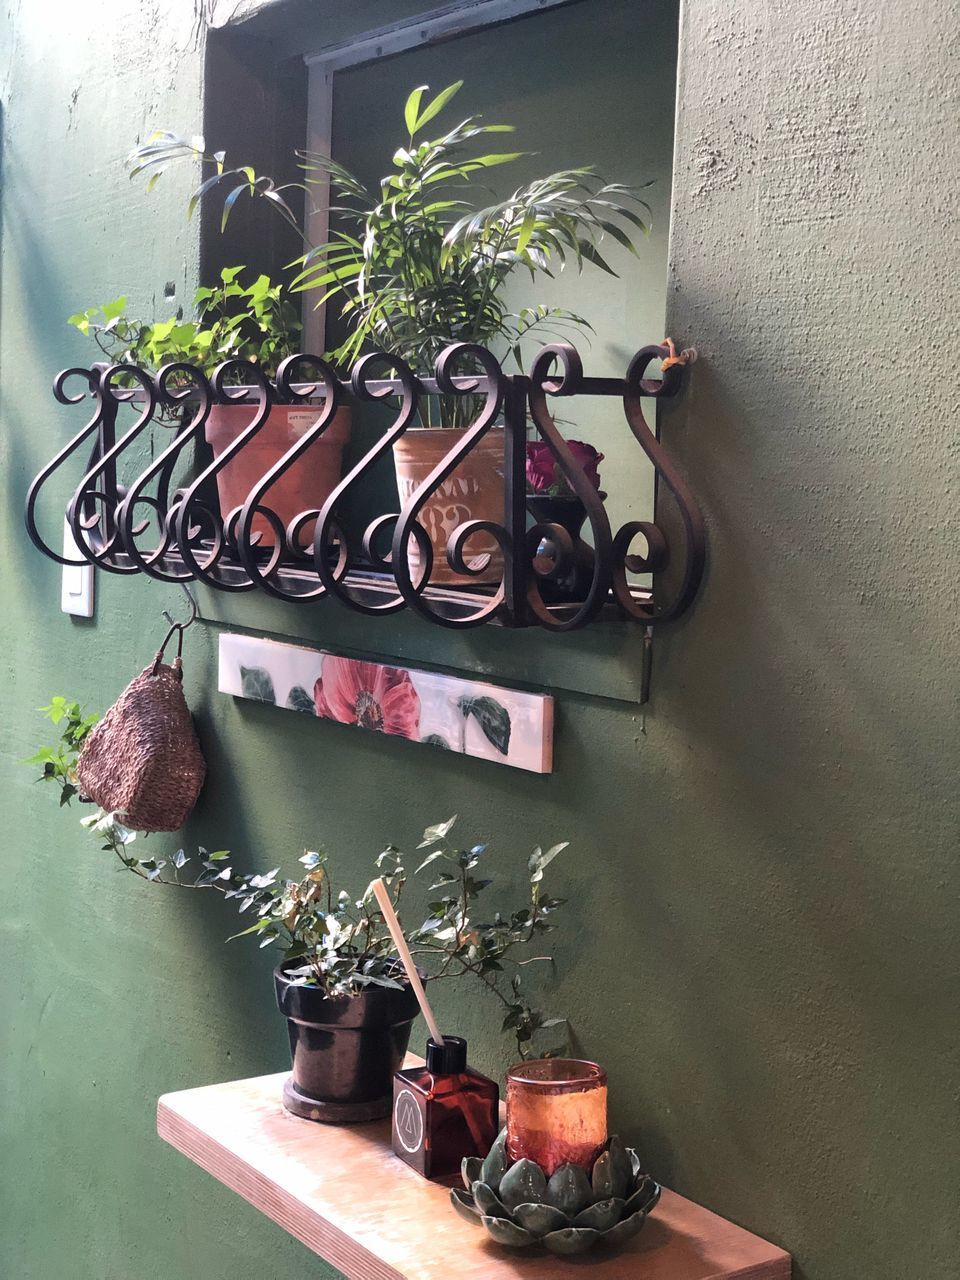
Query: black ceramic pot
[[569, 513], [345, 1050]]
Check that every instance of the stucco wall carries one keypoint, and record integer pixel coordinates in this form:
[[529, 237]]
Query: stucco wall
[[762, 946]]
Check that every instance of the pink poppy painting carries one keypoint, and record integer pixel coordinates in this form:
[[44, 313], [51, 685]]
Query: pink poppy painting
[[443, 711], [368, 695]]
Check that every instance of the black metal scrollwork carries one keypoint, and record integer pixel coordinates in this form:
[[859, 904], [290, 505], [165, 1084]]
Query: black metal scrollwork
[[329, 533], [658, 552], [93, 424], [570, 382], [183, 389], [491, 386], [391, 564], [203, 557], [287, 547], [92, 510]]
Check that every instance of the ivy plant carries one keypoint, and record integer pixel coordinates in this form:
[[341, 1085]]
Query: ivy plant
[[232, 319], [59, 761], [339, 941]]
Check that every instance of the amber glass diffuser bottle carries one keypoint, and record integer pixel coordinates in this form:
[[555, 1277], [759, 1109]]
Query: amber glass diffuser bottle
[[556, 1112], [443, 1111]]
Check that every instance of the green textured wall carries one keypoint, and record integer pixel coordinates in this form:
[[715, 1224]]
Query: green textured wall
[[763, 944]]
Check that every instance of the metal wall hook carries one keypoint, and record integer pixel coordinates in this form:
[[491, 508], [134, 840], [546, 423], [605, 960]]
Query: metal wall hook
[[178, 627], [194, 611]]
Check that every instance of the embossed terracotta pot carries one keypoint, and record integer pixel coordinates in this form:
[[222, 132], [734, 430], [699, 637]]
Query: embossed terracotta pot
[[344, 1049], [473, 491], [304, 487]]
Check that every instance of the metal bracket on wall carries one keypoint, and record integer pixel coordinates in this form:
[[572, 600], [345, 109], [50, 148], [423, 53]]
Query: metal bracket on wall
[[388, 565]]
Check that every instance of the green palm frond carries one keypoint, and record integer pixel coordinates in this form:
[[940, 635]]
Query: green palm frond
[[414, 264]]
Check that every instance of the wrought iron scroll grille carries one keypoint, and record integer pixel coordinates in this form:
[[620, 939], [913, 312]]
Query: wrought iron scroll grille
[[139, 523]]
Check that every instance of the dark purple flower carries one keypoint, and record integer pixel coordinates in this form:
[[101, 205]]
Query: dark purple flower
[[544, 475]]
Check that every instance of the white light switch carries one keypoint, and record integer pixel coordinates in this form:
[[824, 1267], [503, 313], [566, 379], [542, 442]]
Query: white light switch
[[76, 584]]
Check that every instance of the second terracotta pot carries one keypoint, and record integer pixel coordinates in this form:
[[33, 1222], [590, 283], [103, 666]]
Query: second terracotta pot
[[305, 486], [473, 491]]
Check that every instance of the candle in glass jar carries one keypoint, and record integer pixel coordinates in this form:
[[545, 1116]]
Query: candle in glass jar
[[556, 1112]]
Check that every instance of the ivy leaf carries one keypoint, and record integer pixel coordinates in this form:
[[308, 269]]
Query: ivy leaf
[[437, 832], [431, 857], [492, 717], [299, 700], [255, 682]]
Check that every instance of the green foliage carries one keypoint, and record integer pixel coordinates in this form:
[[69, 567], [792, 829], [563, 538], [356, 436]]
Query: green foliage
[[59, 762], [452, 942], [413, 264], [255, 322], [339, 941]]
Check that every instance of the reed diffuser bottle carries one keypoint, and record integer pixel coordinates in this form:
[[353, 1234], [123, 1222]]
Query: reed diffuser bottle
[[443, 1111]]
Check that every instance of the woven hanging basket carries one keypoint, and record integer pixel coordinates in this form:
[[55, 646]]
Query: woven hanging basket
[[143, 761]]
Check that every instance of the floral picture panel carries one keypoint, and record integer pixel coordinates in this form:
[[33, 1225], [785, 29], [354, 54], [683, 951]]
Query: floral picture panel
[[447, 712]]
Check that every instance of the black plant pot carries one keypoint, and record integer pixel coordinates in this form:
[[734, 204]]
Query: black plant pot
[[345, 1050], [573, 582]]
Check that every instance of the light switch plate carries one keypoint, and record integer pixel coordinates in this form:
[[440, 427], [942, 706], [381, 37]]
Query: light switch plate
[[76, 584]]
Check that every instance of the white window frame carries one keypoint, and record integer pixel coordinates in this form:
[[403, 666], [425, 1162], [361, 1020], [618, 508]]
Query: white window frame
[[429, 27]]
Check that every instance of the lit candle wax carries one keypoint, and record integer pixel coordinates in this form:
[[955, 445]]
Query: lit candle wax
[[556, 1112]]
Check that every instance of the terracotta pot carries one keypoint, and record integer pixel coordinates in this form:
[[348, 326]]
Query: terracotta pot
[[473, 491], [304, 487]]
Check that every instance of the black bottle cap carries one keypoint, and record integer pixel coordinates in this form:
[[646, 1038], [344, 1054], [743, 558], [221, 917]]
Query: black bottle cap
[[447, 1059]]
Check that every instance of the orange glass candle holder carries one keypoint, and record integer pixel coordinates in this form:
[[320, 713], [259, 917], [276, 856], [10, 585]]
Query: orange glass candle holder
[[556, 1112]]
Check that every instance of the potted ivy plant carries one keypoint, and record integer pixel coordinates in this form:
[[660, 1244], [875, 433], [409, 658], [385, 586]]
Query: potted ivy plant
[[235, 320], [348, 1005], [416, 267]]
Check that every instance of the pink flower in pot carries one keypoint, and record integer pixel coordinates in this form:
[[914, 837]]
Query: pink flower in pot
[[544, 474], [369, 695]]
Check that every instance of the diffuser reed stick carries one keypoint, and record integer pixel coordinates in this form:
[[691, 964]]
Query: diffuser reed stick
[[393, 924]]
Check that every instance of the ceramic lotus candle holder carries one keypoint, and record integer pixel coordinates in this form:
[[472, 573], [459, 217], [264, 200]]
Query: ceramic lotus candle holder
[[567, 1213]]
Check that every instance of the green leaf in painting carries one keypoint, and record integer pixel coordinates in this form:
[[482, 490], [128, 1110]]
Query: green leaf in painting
[[255, 682], [299, 700], [436, 740], [492, 717]]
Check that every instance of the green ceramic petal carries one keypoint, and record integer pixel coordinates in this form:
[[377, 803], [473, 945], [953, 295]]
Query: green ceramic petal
[[569, 1190], [538, 1219], [620, 1163], [608, 1179], [624, 1230], [600, 1216], [523, 1183], [488, 1202], [505, 1232], [645, 1197], [471, 1171], [495, 1165], [571, 1240], [464, 1206]]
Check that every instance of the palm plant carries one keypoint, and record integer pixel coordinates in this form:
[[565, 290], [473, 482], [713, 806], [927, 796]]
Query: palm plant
[[414, 265]]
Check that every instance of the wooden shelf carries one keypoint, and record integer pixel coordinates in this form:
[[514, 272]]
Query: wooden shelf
[[342, 1193]]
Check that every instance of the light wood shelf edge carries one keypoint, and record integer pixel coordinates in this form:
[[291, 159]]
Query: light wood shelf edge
[[341, 1193]]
